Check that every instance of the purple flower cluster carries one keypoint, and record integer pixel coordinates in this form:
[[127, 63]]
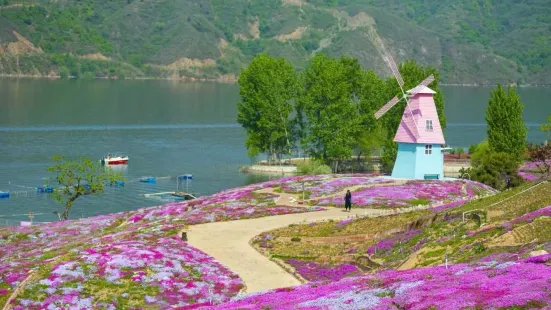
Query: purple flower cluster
[[526, 218], [542, 259], [450, 205], [500, 257], [531, 170], [489, 285], [388, 243], [530, 217], [528, 176], [314, 272], [343, 223], [480, 230]]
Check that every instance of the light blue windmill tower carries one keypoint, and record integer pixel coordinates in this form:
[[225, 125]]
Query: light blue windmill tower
[[419, 136]]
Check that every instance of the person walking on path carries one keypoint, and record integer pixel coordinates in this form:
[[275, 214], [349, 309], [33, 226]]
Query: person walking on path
[[348, 201]]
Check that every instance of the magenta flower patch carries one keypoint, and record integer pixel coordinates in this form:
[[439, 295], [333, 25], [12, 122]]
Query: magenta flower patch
[[314, 272], [490, 285]]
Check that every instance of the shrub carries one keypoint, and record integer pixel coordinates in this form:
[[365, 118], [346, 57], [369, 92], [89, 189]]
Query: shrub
[[64, 72], [390, 151], [478, 248], [313, 167], [88, 75], [495, 169], [472, 148], [460, 152]]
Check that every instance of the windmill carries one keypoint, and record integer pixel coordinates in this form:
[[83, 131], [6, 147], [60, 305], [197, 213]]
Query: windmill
[[419, 148]]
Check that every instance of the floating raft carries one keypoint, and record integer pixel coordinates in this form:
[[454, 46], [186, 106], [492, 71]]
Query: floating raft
[[186, 196], [178, 196], [4, 194]]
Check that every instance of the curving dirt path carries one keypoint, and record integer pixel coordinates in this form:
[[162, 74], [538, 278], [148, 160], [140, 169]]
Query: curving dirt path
[[228, 242]]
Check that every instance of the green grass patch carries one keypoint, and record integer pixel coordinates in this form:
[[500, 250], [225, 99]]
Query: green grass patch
[[417, 202]]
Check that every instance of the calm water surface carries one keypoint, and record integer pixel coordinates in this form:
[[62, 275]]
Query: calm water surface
[[167, 129]]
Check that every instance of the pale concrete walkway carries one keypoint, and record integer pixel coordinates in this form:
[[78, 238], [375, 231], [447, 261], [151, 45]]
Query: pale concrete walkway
[[228, 242]]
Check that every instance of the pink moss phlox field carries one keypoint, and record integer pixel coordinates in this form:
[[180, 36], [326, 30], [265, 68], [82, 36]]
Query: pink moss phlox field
[[25, 248], [123, 237], [489, 285], [233, 204], [335, 185], [224, 212], [175, 273], [412, 193], [319, 185]]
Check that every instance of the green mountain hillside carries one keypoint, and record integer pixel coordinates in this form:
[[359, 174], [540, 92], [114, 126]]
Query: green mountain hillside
[[474, 41]]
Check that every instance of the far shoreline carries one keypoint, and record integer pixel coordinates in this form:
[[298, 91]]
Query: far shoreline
[[227, 80]]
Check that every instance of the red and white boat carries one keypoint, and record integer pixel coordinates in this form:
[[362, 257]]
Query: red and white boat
[[115, 159]]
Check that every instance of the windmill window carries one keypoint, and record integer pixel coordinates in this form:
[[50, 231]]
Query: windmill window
[[429, 125], [428, 149]]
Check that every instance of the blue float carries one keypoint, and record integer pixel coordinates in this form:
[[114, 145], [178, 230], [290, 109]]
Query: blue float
[[152, 180], [4, 194], [44, 189], [186, 177]]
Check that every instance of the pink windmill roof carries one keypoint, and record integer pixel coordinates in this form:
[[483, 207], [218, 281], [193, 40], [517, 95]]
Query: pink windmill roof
[[424, 90], [415, 124]]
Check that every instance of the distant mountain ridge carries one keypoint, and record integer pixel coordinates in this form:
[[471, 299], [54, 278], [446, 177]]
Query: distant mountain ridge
[[470, 42]]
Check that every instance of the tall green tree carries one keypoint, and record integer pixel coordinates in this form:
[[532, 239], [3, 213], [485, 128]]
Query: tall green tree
[[413, 74], [330, 103], [506, 128], [268, 88], [373, 91], [77, 178]]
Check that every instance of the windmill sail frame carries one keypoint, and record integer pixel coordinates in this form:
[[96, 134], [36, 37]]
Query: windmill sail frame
[[389, 105]]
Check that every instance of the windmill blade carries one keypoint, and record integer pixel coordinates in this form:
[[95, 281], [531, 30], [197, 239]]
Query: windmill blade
[[386, 107], [414, 129], [395, 71], [420, 87]]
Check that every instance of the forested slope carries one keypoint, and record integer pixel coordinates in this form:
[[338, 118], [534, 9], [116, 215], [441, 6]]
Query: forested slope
[[478, 41]]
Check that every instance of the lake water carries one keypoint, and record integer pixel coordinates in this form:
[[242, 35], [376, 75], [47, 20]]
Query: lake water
[[167, 129]]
